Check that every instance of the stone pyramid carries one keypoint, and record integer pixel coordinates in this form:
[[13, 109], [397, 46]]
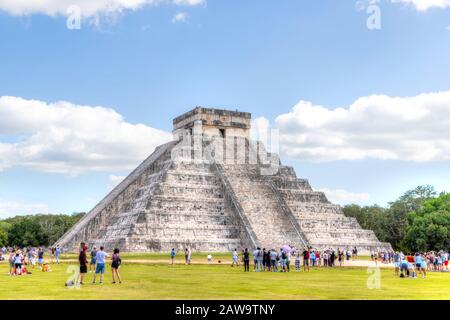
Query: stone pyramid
[[214, 189]]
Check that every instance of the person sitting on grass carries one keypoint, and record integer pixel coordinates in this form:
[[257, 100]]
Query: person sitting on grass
[[100, 269], [116, 262], [82, 258]]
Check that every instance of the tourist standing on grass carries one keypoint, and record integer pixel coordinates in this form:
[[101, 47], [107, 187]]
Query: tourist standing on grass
[[288, 261], [187, 256], [255, 258], [305, 259], [40, 256], [273, 260], [235, 258], [18, 261], [332, 258], [57, 253], [116, 262], [446, 261], [93, 261], [172, 256], [297, 261], [246, 257], [396, 263], [312, 257], [260, 260], [82, 258], [100, 268], [264, 259], [12, 254]]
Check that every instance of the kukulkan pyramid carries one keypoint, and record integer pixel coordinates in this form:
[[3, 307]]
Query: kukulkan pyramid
[[214, 189]]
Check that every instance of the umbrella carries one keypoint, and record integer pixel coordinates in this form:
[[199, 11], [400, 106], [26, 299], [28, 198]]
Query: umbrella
[[286, 248]]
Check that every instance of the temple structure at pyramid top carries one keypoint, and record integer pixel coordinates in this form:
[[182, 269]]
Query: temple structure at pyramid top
[[214, 189]]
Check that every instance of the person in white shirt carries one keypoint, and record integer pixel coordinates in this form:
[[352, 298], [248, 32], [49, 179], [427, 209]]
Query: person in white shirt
[[235, 258]]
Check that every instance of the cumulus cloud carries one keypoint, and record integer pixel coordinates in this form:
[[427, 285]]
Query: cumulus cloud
[[424, 5], [88, 8], [180, 17], [12, 208], [66, 138], [377, 126], [343, 197]]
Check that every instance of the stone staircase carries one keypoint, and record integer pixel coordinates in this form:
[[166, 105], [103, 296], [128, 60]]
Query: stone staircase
[[272, 227], [323, 223]]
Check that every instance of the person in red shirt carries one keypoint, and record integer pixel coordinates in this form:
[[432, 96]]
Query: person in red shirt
[[82, 258]]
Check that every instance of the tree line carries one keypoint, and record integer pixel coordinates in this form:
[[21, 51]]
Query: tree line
[[35, 230], [417, 221]]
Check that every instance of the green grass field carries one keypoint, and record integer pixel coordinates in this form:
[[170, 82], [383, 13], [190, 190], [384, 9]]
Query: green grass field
[[161, 281]]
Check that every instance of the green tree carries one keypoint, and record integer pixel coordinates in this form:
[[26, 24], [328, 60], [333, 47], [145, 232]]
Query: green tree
[[26, 232], [429, 226]]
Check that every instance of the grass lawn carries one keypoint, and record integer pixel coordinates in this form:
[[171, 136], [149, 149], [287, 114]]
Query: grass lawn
[[160, 281]]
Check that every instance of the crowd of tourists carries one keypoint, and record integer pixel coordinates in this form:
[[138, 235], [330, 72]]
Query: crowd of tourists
[[413, 265], [23, 260], [97, 264], [280, 260]]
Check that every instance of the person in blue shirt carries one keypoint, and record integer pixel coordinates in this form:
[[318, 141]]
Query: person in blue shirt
[[57, 253], [418, 262], [100, 268], [172, 256]]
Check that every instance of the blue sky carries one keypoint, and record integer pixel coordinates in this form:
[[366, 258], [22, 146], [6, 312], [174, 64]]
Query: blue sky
[[260, 56]]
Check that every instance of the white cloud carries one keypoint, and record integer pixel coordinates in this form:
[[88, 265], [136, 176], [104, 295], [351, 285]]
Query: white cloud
[[447, 28], [180, 17], [71, 139], [13, 208], [89, 8], [114, 180], [424, 5], [343, 197], [379, 127]]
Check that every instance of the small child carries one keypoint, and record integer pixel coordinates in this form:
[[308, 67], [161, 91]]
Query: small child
[[297, 262]]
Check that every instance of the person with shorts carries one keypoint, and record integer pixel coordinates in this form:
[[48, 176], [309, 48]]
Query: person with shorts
[[116, 262], [418, 263], [235, 258], [305, 259], [100, 268], [18, 259], [273, 260], [82, 258], [312, 257], [93, 261]]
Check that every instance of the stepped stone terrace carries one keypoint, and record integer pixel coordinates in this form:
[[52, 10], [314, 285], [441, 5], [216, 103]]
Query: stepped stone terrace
[[215, 189]]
